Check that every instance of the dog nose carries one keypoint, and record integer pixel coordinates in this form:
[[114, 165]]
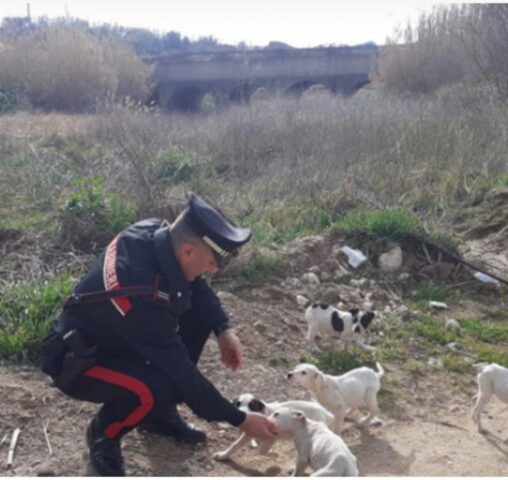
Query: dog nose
[[290, 375]]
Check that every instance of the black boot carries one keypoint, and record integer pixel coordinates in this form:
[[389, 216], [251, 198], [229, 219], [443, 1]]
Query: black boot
[[173, 425], [105, 453]]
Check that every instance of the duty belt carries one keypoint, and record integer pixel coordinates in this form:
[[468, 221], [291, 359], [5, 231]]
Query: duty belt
[[103, 295]]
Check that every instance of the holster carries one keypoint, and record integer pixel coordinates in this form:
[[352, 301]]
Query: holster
[[66, 355]]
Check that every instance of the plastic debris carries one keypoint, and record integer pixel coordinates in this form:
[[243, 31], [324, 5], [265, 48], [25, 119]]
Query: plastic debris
[[354, 257], [301, 300], [484, 278], [438, 305]]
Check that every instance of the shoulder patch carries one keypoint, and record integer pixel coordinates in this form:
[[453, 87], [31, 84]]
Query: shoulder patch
[[324, 306], [337, 322]]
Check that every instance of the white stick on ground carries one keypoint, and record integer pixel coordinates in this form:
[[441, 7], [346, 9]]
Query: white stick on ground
[[46, 436], [12, 447]]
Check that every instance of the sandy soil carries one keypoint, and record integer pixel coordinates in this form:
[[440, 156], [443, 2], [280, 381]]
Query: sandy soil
[[430, 432]]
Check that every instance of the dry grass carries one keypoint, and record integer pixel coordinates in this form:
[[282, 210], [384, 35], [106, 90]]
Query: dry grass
[[278, 161], [63, 67]]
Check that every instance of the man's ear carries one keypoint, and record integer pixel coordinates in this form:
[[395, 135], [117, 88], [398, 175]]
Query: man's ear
[[187, 249]]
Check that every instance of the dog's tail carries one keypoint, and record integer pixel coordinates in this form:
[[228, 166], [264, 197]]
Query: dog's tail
[[380, 371]]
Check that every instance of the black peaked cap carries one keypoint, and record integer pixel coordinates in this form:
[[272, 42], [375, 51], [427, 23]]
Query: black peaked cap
[[214, 228]]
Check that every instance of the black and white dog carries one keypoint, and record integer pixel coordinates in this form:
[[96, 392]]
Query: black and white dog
[[325, 319]]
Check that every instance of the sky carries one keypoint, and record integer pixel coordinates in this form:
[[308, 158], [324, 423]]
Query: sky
[[299, 23]]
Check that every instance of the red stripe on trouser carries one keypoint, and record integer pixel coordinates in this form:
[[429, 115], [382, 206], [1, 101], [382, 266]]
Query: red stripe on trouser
[[129, 383]]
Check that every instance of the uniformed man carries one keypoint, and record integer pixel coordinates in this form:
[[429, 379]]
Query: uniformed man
[[132, 332]]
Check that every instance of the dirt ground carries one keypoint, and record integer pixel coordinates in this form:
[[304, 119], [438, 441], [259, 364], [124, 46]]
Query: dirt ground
[[428, 431]]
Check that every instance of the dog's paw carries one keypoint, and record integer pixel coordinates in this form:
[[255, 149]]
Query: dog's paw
[[220, 456]]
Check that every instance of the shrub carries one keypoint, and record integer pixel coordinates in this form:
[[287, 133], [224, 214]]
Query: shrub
[[64, 67], [89, 221], [26, 310]]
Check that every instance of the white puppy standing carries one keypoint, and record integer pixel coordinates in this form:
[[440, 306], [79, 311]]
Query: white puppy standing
[[316, 445], [343, 393], [248, 403], [492, 380]]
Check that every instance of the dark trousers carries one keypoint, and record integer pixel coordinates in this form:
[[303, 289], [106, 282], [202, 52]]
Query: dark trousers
[[131, 390]]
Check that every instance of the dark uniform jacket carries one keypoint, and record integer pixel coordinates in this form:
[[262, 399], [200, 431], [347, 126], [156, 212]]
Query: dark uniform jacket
[[146, 327]]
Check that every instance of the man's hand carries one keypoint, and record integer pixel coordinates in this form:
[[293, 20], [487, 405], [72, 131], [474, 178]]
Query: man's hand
[[231, 350], [259, 426]]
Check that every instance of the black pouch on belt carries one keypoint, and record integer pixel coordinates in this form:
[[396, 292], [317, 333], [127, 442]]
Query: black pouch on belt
[[79, 357], [54, 350]]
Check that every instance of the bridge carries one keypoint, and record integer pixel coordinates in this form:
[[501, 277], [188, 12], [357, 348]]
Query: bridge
[[233, 76]]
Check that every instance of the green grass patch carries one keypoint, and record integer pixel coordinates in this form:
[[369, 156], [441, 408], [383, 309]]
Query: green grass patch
[[485, 331], [425, 291], [454, 363], [337, 362], [283, 224], [486, 352], [396, 225], [262, 266], [26, 310], [431, 329], [392, 224]]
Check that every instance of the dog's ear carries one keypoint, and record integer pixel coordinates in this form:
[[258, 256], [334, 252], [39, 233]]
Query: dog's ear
[[256, 405], [300, 416], [319, 379], [367, 319]]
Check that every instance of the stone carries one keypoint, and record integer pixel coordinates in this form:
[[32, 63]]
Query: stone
[[225, 295], [391, 261], [452, 325], [311, 278]]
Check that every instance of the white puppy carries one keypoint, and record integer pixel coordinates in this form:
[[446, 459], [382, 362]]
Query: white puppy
[[343, 393], [316, 445], [492, 380], [325, 319], [247, 403]]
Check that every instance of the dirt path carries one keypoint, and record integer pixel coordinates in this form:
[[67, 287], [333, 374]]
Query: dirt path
[[427, 431], [438, 443], [430, 433]]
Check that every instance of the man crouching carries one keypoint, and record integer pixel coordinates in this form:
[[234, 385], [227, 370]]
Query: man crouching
[[131, 334]]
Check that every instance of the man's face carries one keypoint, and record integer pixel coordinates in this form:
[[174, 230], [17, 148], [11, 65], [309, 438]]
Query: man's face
[[197, 259]]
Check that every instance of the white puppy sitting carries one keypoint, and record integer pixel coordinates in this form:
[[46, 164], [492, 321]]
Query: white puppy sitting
[[325, 319], [492, 380], [316, 445], [343, 393], [248, 403]]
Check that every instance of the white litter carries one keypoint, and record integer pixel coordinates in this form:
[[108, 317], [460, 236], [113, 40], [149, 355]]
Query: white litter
[[438, 305], [484, 278], [301, 300], [354, 257]]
